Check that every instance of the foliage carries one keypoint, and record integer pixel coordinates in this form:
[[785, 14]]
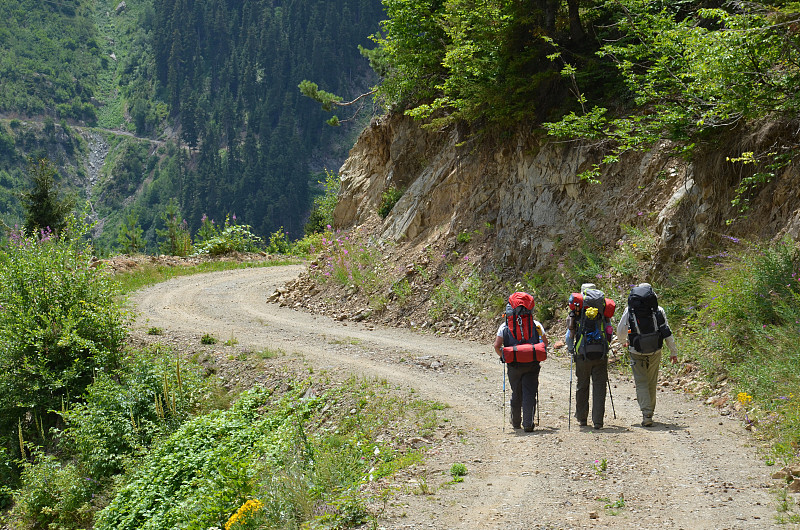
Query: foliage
[[130, 235], [694, 71], [232, 238], [279, 242], [54, 495], [7, 478], [321, 217], [264, 450], [388, 199], [59, 327], [176, 240], [479, 61], [45, 209], [742, 321], [412, 43], [124, 412]]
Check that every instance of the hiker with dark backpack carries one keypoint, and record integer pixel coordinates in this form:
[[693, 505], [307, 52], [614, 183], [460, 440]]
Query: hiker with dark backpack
[[521, 344], [589, 332], [644, 329]]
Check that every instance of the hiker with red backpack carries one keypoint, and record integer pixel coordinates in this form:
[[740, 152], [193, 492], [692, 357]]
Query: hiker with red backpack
[[643, 327], [521, 344], [589, 331]]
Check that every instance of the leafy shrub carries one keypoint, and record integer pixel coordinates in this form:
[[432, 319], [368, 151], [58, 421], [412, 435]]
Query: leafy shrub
[[54, 495], [388, 199], [309, 244], [208, 339], [59, 327], [265, 449], [232, 238], [126, 411], [279, 242], [767, 278], [321, 217]]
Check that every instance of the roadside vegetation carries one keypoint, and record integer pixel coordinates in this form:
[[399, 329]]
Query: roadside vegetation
[[99, 434]]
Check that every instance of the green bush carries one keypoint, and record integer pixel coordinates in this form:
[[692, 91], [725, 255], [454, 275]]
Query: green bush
[[231, 238], [54, 495], [388, 199], [279, 242], [321, 217], [765, 279], [59, 327], [126, 411], [268, 451]]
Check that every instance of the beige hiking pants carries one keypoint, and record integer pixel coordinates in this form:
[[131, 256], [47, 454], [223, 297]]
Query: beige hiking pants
[[645, 377]]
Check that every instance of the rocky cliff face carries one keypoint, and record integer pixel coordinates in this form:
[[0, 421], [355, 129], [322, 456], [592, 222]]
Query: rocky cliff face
[[525, 185]]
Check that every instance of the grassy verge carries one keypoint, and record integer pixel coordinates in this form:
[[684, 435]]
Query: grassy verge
[[151, 274]]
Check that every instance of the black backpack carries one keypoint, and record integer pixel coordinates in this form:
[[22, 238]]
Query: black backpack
[[591, 337], [646, 324]]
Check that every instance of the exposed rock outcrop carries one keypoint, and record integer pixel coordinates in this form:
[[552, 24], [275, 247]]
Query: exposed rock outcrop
[[526, 186]]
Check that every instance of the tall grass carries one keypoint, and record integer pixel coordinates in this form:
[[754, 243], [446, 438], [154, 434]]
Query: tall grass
[[748, 326]]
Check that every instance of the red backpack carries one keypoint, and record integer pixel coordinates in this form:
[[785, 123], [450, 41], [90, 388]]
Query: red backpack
[[522, 343]]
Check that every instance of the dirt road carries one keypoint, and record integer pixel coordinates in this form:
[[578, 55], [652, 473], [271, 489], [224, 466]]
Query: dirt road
[[693, 470]]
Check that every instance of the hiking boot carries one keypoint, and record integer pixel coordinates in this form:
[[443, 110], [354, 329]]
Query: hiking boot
[[516, 425], [647, 422], [598, 426], [582, 423], [529, 428]]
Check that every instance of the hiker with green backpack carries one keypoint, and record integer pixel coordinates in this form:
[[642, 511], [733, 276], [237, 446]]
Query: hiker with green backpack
[[521, 344], [643, 327], [589, 332]]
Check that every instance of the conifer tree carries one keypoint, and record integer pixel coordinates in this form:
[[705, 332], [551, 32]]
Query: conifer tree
[[45, 207]]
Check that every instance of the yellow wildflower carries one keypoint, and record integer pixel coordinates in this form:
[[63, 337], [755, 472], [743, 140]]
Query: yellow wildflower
[[244, 512], [744, 398]]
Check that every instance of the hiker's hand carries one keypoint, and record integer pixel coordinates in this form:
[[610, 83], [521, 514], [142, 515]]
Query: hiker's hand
[[673, 358]]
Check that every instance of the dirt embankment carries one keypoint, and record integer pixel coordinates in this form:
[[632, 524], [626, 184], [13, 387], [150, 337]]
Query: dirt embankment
[[694, 469]]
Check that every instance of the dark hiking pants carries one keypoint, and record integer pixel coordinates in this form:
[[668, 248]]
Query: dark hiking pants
[[596, 372], [524, 381]]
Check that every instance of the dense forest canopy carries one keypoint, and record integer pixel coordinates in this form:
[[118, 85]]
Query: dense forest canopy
[[214, 81]]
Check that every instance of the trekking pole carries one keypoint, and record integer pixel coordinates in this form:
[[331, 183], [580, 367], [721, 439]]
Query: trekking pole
[[612, 399], [538, 408], [504, 393], [569, 412]]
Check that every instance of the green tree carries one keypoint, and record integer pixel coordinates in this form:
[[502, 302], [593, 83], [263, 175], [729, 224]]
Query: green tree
[[176, 240], [693, 72], [45, 207], [322, 213], [130, 237]]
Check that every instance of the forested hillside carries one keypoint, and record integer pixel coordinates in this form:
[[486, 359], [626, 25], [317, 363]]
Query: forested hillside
[[213, 82]]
